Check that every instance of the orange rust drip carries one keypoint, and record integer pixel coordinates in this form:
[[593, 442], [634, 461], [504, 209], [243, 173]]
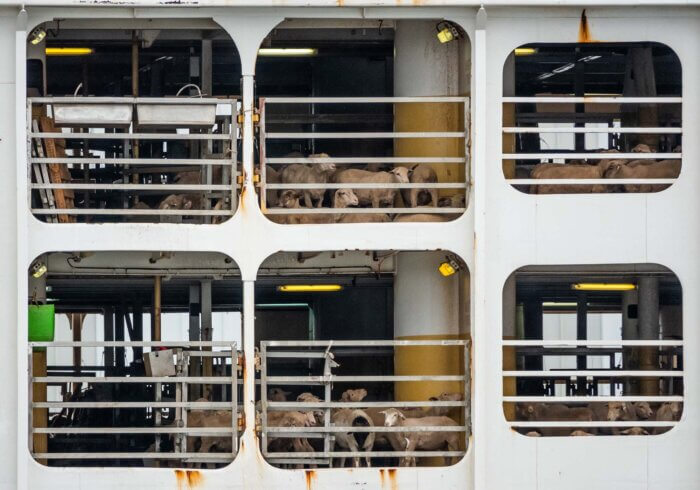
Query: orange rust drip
[[194, 478], [180, 477], [310, 478], [392, 479], [381, 477], [584, 30]]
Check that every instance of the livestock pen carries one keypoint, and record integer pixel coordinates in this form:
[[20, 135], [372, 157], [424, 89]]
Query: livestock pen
[[344, 244]]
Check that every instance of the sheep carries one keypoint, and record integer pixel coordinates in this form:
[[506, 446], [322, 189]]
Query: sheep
[[178, 201], [665, 169], [277, 395], [352, 441], [410, 441], [626, 411], [634, 431], [353, 395], [533, 433], [272, 176], [290, 200], [420, 217], [346, 197], [420, 174], [546, 412], [307, 397], [578, 433], [373, 197], [289, 419], [569, 171], [454, 201], [667, 412], [317, 173]]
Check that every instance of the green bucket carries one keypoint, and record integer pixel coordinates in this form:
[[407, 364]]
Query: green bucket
[[41, 323]]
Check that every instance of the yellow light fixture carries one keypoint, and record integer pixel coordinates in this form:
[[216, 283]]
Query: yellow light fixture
[[603, 286], [37, 35], [68, 51], [309, 288], [287, 52], [449, 266], [446, 32], [38, 269], [525, 51], [559, 304]]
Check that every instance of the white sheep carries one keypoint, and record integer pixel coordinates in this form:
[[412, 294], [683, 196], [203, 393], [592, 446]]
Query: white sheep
[[373, 197], [421, 174], [317, 173]]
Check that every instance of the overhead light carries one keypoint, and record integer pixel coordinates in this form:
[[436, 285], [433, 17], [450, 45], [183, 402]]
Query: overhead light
[[449, 266], [525, 51], [38, 269], [37, 35], [447, 31], [309, 288], [287, 52], [559, 304], [603, 286], [68, 51]]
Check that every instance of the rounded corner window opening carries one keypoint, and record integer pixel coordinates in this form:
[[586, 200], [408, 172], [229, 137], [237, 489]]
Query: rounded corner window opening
[[374, 119], [135, 126], [592, 350], [581, 118], [364, 320]]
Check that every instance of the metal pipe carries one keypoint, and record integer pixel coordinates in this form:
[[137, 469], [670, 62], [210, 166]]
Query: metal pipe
[[155, 317], [336, 3], [648, 324]]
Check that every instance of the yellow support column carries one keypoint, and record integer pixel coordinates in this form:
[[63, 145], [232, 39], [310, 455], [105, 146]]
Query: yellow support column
[[425, 67], [427, 307]]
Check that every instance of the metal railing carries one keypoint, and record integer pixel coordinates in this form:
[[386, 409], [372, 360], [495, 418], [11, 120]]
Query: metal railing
[[326, 354], [102, 142], [581, 396], [614, 132], [316, 120], [181, 437]]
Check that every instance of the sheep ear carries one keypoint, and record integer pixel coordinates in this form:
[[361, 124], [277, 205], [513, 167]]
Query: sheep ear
[[402, 415], [383, 412]]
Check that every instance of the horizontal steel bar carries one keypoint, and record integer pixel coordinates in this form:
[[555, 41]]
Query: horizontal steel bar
[[350, 160], [359, 100], [387, 404], [130, 136], [420, 210], [196, 431], [377, 185], [367, 135], [612, 373], [135, 343], [599, 423], [593, 100], [173, 404], [134, 379], [593, 156], [358, 343], [592, 343], [584, 399], [572, 129], [133, 100], [134, 455], [135, 187], [589, 181], [135, 161], [135, 212], [345, 379], [371, 454], [303, 430]]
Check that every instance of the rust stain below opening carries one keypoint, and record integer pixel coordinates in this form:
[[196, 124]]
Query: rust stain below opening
[[310, 478], [392, 478], [584, 30], [188, 479]]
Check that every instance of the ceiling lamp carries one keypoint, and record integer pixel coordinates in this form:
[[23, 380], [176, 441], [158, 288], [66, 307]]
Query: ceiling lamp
[[287, 52], [37, 35], [449, 266], [525, 51], [38, 269], [603, 286], [447, 31], [68, 51], [309, 288]]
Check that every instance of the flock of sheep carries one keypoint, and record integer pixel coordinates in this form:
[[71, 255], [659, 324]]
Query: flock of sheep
[[598, 411], [342, 418], [607, 168], [323, 172]]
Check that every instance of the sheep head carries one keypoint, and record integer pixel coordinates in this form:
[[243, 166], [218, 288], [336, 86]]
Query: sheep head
[[289, 199], [344, 198], [392, 417], [616, 410], [641, 148], [353, 395], [402, 174], [278, 395], [643, 410]]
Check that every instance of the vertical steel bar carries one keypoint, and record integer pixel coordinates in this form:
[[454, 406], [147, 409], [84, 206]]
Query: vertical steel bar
[[263, 395], [262, 156], [234, 399], [327, 411], [235, 131], [30, 417]]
